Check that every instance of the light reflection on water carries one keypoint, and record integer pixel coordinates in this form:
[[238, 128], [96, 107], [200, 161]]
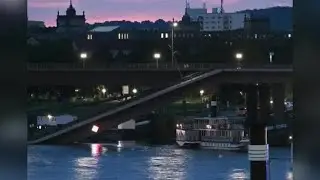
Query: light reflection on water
[[167, 165], [238, 174], [96, 162], [86, 168]]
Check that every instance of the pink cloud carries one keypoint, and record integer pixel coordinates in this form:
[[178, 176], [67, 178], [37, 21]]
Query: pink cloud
[[50, 3], [134, 1]]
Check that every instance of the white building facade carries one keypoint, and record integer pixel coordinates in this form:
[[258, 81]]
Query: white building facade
[[217, 20]]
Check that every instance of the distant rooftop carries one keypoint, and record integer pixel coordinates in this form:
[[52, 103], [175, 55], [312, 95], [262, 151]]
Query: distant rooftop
[[104, 28]]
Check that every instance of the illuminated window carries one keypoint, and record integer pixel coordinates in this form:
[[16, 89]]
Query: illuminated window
[[162, 35], [89, 37], [123, 36], [167, 35]]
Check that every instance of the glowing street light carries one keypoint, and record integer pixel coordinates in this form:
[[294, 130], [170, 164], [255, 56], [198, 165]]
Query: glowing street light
[[83, 57], [175, 24], [134, 91], [271, 54], [201, 92], [239, 56], [157, 56], [104, 90]]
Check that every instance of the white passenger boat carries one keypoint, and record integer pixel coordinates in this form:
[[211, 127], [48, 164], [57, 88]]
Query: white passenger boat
[[216, 133]]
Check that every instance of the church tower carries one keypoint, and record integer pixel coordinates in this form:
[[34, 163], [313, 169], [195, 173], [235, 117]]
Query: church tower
[[71, 21]]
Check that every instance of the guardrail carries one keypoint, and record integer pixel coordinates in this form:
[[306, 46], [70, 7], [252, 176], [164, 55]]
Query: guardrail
[[143, 66]]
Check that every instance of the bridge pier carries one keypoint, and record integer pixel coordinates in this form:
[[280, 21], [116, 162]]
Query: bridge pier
[[258, 149], [278, 92]]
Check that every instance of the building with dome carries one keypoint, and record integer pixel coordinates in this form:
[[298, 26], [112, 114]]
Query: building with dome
[[71, 22]]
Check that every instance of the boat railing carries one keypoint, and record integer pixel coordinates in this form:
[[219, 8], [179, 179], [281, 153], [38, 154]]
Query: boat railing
[[190, 135]]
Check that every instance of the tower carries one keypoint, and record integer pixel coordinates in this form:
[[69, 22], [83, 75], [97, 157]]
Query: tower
[[221, 8], [204, 5], [70, 22], [187, 4]]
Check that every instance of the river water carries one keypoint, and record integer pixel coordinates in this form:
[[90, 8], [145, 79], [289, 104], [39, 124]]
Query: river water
[[144, 163]]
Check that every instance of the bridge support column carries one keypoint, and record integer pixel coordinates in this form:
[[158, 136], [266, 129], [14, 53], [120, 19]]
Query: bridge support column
[[258, 149], [278, 92], [213, 106]]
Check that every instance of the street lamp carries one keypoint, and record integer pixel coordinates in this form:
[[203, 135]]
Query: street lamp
[[83, 57], [104, 90], [201, 92], [174, 25], [157, 56], [271, 54], [239, 57]]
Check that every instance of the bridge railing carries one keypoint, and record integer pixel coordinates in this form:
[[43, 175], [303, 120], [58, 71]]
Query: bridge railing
[[143, 66]]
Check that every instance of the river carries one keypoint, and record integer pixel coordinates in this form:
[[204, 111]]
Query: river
[[144, 163]]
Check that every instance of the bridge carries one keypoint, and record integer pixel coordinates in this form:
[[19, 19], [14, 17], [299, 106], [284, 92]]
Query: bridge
[[136, 74], [158, 97]]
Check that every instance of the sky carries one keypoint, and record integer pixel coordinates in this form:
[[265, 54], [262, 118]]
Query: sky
[[135, 10]]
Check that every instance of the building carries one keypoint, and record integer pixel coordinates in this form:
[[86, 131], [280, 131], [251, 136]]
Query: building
[[71, 22], [217, 20]]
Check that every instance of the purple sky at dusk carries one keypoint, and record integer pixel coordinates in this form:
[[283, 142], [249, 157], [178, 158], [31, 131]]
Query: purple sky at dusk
[[135, 10]]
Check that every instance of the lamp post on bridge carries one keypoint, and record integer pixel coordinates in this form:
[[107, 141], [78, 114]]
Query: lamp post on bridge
[[239, 57], [271, 54], [83, 57], [173, 25], [157, 56]]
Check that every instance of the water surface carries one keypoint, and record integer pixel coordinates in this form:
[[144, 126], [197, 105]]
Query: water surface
[[144, 163]]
